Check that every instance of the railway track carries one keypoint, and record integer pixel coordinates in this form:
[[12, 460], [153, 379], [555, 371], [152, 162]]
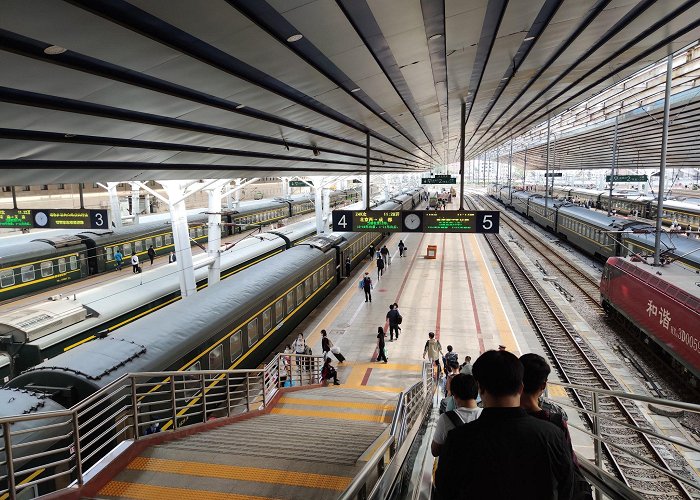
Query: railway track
[[584, 282], [577, 363]]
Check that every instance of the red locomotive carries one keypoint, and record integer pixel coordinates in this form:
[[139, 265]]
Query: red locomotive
[[662, 303]]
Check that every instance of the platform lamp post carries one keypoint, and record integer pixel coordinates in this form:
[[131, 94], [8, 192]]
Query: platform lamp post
[[524, 167], [662, 169]]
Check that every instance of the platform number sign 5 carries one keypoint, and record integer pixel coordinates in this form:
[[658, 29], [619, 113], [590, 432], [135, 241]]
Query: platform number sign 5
[[487, 221], [342, 221]]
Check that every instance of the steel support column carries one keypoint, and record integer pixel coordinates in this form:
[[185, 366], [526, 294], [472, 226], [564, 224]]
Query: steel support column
[[181, 237], [214, 233], [80, 194], [612, 167], [662, 169], [524, 167], [367, 192], [326, 208], [114, 206], [135, 210], [510, 169], [546, 172], [462, 127], [318, 203]]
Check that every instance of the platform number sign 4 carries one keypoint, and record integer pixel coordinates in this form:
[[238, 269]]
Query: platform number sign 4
[[342, 220]]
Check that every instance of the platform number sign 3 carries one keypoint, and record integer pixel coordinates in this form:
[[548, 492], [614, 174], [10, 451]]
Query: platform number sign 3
[[99, 219], [342, 220]]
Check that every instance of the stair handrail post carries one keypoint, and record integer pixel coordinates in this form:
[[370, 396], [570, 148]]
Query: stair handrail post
[[228, 394], [203, 385], [247, 391], [76, 446], [134, 408], [7, 437], [173, 401]]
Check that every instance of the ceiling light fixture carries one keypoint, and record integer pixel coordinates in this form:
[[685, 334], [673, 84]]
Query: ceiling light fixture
[[295, 38], [356, 89], [54, 50], [529, 38], [435, 36], [240, 106]]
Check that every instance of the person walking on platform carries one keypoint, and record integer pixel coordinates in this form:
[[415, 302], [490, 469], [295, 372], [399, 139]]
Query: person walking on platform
[[300, 349], [393, 317], [385, 255], [151, 253], [366, 285], [401, 248], [381, 345], [370, 252], [328, 372], [348, 267], [449, 358], [118, 259], [466, 367], [327, 346], [433, 350], [380, 267], [135, 264]]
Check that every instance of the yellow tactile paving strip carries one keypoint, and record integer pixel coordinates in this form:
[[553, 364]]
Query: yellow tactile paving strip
[[332, 414], [151, 492], [502, 324], [335, 404], [238, 473]]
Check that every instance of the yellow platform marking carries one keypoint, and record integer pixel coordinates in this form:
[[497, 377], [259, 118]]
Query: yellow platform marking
[[556, 391], [335, 404], [403, 367], [151, 492], [332, 414], [502, 323], [371, 388], [238, 473]]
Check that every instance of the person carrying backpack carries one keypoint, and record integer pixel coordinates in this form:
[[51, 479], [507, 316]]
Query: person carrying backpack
[[393, 318], [151, 253], [449, 358], [535, 374], [135, 268], [464, 390], [433, 350], [366, 285]]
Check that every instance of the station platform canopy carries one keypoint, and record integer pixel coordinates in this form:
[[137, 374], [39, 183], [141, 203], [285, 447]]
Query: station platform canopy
[[110, 90]]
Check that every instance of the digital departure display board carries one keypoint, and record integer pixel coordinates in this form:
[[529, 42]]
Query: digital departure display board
[[70, 219], [439, 180], [16, 218], [416, 221]]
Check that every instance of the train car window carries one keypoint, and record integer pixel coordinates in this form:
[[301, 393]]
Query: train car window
[[168, 239], [300, 294], [216, 358], [27, 273], [315, 281], [290, 302], [138, 246], [7, 278], [236, 345], [61, 265], [190, 385], [267, 319], [159, 241], [109, 253], [279, 310], [252, 332], [46, 269], [73, 262], [308, 288], [192, 233]]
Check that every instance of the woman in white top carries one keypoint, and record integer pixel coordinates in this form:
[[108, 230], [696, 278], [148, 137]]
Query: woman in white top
[[299, 347], [464, 391]]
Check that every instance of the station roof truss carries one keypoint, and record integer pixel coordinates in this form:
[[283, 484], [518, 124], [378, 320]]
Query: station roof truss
[[110, 90]]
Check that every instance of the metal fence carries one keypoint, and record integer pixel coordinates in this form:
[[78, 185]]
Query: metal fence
[[45, 452], [377, 476]]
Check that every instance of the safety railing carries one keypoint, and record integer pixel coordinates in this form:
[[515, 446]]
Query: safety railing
[[378, 474], [49, 451], [598, 398]]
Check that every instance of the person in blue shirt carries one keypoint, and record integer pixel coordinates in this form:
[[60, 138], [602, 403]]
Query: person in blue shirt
[[118, 259]]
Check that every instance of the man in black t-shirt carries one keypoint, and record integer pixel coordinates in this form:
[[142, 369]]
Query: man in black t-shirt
[[505, 453], [393, 317]]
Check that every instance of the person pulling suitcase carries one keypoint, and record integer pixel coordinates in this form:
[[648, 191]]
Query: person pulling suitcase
[[327, 346]]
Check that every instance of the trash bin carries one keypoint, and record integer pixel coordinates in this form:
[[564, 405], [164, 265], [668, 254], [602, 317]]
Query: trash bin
[[432, 252]]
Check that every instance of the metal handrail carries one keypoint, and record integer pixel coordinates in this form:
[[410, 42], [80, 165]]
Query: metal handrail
[[129, 407], [417, 398], [599, 439]]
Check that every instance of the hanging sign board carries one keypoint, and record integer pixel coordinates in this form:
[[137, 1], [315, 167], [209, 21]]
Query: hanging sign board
[[16, 218], [439, 180], [416, 221], [299, 184], [553, 174], [70, 219], [627, 178]]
